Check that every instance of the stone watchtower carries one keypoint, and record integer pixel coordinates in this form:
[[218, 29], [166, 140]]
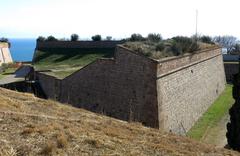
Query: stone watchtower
[[5, 55]]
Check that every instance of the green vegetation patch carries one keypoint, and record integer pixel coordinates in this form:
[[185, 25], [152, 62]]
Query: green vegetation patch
[[158, 49], [213, 115], [7, 71], [64, 61]]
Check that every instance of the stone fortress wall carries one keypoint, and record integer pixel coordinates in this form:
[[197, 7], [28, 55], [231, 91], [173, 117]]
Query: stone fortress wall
[[78, 44], [187, 86], [170, 94], [5, 55]]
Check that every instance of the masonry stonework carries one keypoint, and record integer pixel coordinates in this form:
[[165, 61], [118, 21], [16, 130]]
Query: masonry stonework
[[5, 55], [50, 86], [123, 87], [186, 92], [170, 94]]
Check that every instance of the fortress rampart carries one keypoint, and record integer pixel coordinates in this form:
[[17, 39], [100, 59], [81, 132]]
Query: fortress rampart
[[78, 44], [170, 94], [187, 86], [5, 55]]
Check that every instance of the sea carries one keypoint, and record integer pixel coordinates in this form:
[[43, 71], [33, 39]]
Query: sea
[[22, 50]]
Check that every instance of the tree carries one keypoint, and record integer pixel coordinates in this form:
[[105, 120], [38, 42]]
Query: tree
[[41, 39], [152, 37], [3, 39], [236, 49], [97, 38], [226, 41], [137, 37], [51, 38], [74, 37]]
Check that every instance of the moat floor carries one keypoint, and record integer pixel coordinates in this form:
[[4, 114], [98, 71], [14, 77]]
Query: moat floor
[[217, 134]]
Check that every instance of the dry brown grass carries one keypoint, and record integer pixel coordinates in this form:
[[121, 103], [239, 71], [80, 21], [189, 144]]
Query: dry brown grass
[[32, 126], [62, 140], [48, 149]]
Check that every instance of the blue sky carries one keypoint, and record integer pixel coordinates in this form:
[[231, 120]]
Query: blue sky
[[117, 18]]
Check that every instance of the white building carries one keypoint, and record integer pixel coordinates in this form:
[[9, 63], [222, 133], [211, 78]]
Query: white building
[[5, 55]]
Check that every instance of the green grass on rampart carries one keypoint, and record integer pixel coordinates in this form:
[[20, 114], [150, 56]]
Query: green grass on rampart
[[68, 60], [8, 71], [53, 57], [213, 115]]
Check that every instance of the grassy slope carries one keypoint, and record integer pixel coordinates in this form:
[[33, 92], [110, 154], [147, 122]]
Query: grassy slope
[[32, 126], [67, 60], [213, 115], [7, 72]]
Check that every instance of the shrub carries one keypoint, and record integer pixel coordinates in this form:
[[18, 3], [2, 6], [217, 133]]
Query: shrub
[[97, 38], [154, 37], [4, 67], [41, 39], [74, 37], [51, 38], [176, 49], [137, 37], [160, 47], [109, 38], [206, 39], [185, 44]]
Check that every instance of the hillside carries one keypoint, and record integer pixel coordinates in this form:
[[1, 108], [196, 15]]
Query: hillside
[[32, 126]]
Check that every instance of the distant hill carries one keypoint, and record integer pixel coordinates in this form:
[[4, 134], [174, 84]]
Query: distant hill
[[33, 126]]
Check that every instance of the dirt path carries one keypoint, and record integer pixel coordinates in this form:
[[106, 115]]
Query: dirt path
[[217, 134]]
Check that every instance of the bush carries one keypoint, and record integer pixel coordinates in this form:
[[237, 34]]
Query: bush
[[51, 38], [74, 37], [137, 37], [41, 39], [185, 44], [206, 39], [97, 38], [109, 38], [160, 47], [154, 37], [4, 67]]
